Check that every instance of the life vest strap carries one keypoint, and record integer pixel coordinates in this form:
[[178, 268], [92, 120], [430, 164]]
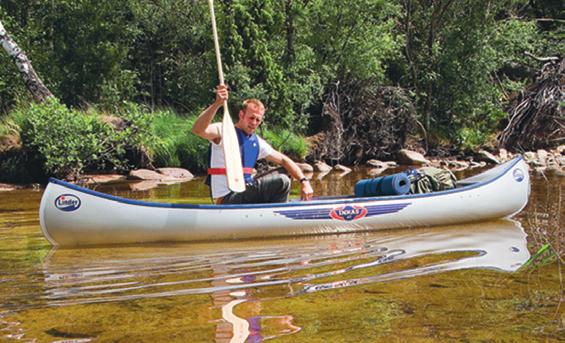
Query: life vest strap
[[222, 171]]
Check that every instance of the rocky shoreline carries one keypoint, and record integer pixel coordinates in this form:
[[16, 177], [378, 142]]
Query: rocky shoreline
[[540, 162]]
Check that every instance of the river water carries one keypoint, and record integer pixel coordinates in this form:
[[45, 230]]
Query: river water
[[468, 282]]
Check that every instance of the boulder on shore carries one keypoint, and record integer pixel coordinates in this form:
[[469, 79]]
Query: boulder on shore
[[409, 157], [487, 157], [542, 155], [503, 155], [4, 187], [176, 173], [162, 174], [321, 166], [529, 156], [457, 165], [305, 167]]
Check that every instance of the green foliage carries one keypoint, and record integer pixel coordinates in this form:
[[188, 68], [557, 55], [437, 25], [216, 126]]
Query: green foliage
[[8, 127], [63, 142], [287, 142], [265, 61], [70, 142], [352, 38], [174, 61], [11, 91], [20, 166], [174, 145], [462, 60]]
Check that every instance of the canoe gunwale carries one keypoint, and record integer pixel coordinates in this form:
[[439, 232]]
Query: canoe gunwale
[[333, 201]]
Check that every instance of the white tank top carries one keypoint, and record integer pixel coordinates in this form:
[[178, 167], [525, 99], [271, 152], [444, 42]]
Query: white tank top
[[219, 183]]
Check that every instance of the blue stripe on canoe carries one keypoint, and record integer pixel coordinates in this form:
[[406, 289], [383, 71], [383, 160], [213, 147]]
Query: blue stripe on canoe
[[384, 209], [324, 213]]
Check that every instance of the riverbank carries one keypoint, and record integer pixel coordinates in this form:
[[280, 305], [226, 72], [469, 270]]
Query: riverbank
[[540, 162]]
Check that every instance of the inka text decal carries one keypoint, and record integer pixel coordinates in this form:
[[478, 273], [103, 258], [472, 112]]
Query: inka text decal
[[348, 212], [67, 202]]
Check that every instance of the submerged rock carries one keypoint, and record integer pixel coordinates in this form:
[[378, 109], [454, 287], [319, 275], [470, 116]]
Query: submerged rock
[[540, 170], [378, 164], [143, 185], [375, 171], [145, 174], [342, 168], [478, 164], [103, 178]]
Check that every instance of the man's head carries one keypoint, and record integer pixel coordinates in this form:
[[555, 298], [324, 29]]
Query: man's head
[[251, 115]]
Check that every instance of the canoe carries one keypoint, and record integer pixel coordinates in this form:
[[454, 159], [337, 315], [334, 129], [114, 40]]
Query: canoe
[[71, 215]]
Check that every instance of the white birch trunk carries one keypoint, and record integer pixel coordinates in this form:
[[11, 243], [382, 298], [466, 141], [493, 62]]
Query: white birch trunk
[[31, 80]]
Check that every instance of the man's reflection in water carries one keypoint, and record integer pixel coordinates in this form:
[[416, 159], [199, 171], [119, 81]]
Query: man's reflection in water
[[236, 329]]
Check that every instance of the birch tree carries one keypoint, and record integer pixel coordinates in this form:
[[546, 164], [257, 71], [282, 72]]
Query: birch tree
[[32, 81]]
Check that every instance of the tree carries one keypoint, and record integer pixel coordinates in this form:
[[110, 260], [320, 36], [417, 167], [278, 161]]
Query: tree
[[28, 74], [457, 56]]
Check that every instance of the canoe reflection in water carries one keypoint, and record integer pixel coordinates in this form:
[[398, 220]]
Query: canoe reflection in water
[[232, 272]]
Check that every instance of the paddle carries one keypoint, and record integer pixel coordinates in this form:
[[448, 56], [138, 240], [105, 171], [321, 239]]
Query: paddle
[[234, 169]]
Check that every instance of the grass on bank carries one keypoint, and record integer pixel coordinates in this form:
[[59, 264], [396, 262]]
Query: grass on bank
[[65, 142]]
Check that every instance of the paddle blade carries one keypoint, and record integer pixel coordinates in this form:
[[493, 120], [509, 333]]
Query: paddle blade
[[234, 169]]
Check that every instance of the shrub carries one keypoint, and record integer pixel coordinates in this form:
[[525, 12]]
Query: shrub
[[70, 141], [65, 143], [19, 166]]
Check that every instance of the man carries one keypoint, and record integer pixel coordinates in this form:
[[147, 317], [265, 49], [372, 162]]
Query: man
[[269, 189]]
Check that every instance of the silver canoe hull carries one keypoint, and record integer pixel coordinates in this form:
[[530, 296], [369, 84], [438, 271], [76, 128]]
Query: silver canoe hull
[[72, 215]]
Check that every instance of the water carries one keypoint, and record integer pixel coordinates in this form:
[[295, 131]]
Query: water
[[453, 283]]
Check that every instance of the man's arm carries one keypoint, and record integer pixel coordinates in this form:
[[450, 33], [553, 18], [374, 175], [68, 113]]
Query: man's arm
[[201, 126], [281, 159]]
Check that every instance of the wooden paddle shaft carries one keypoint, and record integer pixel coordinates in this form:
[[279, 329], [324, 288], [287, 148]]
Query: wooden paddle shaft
[[232, 156], [216, 43]]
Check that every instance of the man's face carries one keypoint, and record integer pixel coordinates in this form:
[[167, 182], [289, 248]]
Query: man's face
[[251, 118]]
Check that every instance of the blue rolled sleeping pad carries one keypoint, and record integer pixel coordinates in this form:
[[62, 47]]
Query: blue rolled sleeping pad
[[395, 184]]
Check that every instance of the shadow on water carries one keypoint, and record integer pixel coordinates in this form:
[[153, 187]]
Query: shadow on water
[[234, 273]]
